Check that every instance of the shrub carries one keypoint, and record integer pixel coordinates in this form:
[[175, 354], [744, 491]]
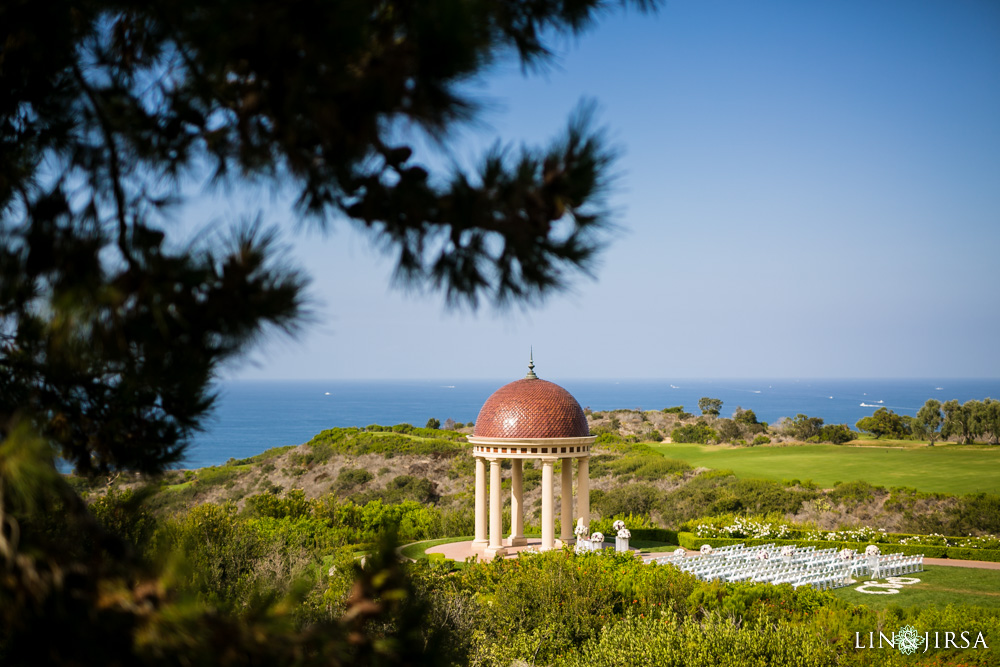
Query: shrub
[[852, 494], [608, 438], [400, 489], [761, 440], [123, 514], [433, 423], [721, 492], [637, 499], [349, 478], [837, 434], [658, 468], [699, 433], [729, 430], [292, 505]]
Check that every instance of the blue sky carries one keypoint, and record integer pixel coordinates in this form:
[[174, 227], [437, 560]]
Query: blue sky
[[806, 190]]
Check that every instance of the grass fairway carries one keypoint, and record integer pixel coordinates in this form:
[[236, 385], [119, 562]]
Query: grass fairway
[[938, 587], [951, 469]]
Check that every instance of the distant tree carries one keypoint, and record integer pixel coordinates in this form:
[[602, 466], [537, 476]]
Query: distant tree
[[959, 420], [710, 406], [748, 423], [804, 427], [838, 434], [927, 424], [978, 410], [991, 419], [884, 422], [433, 423], [746, 417], [449, 424], [728, 430]]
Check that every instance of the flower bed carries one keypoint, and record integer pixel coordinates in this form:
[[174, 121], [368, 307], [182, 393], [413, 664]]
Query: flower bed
[[742, 528]]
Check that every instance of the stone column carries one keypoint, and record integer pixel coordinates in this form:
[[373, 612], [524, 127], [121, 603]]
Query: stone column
[[548, 512], [481, 541], [583, 489], [517, 538], [496, 512], [566, 488]]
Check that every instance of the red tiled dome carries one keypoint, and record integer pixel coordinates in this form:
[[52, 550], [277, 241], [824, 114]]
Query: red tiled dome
[[531, 408]]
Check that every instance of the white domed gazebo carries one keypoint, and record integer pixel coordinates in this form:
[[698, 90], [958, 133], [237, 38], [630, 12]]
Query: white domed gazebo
[[530, 419]]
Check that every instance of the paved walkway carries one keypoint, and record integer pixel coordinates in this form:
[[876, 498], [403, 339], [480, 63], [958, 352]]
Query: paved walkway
[[951, 562], [461, 550]]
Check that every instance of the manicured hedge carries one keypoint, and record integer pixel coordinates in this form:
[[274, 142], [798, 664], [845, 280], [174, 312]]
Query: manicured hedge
[[654, 535], [963, 553], [692, 541]]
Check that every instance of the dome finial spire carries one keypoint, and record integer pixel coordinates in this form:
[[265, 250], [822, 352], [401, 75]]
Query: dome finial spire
[[531, 365]]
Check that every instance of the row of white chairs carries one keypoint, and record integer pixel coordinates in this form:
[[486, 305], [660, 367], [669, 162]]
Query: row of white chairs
[[887, 565], [806, 566]]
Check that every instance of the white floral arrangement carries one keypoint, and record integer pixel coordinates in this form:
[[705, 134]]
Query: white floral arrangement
[[863, 534], [618, 525], [743, 527], [981, 542], [787, 551], [581, 530], [680, 552], [763, 555], [598, 538], [624, 533], [872, 550], [936, 539], [706, 549], [846, 554]]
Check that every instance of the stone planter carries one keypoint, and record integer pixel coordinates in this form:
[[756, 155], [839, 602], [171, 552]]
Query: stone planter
[[621, 544]]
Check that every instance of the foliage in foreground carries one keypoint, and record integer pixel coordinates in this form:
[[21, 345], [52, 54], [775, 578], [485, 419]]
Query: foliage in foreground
[[605, 609]]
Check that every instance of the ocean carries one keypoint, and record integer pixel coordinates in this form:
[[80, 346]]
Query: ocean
[[252, 416]]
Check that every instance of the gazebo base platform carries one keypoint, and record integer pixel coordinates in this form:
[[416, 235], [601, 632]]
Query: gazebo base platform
[[459, 551]]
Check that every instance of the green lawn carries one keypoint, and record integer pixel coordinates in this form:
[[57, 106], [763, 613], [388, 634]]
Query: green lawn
[[939, 586], [953, 469]]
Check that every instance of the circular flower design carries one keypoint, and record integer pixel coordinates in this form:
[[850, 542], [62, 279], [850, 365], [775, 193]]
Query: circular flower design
[[908, 640], [680, 552], [597, 537], [618, 525], [846, 554], [706, 549], [624, 533], [581, 530], [763, 555], [875, 588], [788, 551], [872, 550]]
